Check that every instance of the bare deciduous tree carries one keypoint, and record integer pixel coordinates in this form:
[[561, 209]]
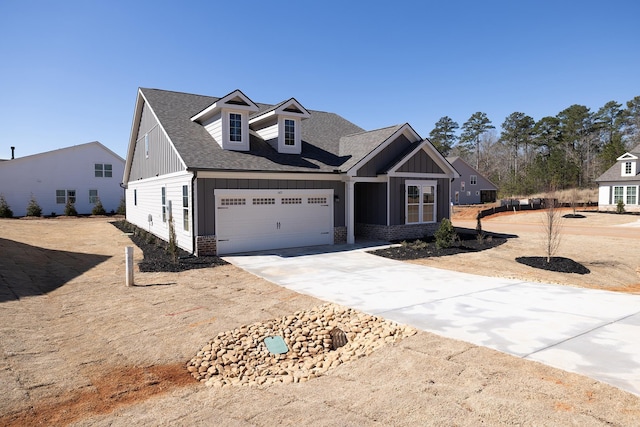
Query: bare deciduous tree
[[552, 223]]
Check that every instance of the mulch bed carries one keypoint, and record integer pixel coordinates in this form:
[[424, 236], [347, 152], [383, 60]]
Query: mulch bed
[[157, 258], [466, 242], [558, 264]]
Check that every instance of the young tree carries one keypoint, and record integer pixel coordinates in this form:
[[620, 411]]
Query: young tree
[[552, 223], [443, 135], [33, 208], [5, 210], [477, 124]]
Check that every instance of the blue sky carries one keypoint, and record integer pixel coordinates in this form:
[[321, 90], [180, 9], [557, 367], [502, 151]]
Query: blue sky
[[69, 70]]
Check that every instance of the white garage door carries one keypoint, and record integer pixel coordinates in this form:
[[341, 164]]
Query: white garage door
[[253, 220]]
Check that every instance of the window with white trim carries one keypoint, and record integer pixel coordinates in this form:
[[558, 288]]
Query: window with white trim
[[632, 195], [473, 180], [461, 185], [235, 127], [627, 168], [618, 194], [93, 196], [420, 202], [289, 132], [185, 207], [164, 204], [65, 196], [103, 170], [146, 145], [135, 197]]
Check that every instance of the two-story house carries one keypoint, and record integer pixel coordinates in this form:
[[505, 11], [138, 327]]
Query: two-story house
[[234, 175], [80, 174], [621, 182], [470, 187]]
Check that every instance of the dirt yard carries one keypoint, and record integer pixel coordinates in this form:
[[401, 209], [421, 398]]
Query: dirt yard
[[78, 347]]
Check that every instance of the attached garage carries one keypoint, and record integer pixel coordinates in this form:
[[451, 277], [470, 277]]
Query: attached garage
[[253, 220]]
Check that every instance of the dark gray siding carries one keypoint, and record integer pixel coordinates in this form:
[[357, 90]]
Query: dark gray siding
[[381, 162], [371, 203], [398, 205], [420, 162], [162, 159], [206, 200]]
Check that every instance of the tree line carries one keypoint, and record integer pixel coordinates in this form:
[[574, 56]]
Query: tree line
[[569, 150]]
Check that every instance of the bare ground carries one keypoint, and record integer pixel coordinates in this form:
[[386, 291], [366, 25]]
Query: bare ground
[[78, 347]]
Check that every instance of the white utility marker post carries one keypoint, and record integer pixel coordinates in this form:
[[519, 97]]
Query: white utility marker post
[[128, 255]]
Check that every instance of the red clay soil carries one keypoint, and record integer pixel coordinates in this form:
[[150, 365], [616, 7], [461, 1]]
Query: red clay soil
[[119, 387]]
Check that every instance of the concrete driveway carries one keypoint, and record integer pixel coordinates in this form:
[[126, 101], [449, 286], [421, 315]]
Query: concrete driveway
[[591, 332]]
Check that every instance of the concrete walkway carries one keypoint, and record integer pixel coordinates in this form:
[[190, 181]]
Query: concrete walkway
[[591, 332]]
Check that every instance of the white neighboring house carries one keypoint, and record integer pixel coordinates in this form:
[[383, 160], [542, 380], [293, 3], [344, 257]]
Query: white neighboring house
[[621, 182], [82, 173]]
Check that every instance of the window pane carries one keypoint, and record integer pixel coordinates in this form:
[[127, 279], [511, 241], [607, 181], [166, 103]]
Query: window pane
[[185, 196], [185, 219], [618, 193], [427, 213], [93, 196], [235, 129], [108, 171], [289, 132], [61, 197], [413, 195], [631, 196], [427, 194], [71, 196], [98, 170], [413, 213]]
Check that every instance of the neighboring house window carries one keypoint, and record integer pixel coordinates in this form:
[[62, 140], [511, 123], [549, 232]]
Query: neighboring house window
[[473, 180], [627, 168], [618, 194], [103, 170], [632, 195], [421, 205], [185, 207], [93, 196], [462, 186], [289, 132], [164, 204], [71, 196], [135, 197], [146, 145], [61, 197], [235, 127]]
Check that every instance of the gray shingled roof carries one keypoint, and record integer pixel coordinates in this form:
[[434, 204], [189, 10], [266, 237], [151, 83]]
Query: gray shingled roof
[[614, 172], [329, 142]]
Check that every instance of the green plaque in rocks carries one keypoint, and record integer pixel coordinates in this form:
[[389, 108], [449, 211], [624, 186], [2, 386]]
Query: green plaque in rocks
[[276, 345]]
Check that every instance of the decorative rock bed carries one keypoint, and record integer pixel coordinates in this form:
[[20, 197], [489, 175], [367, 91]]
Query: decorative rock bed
[[241, 357]]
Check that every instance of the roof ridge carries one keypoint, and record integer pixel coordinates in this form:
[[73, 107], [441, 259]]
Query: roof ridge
[[373, 130]]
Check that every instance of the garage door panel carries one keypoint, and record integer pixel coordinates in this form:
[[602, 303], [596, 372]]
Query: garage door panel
[[250, 220]]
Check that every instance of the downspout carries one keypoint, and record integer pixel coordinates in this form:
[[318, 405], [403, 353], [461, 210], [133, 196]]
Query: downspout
[[193, 214]]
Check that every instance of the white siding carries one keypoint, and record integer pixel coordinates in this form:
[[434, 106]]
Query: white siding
[[71, 168], [214, 127], [604, 195], [270, 134], [148, 196]]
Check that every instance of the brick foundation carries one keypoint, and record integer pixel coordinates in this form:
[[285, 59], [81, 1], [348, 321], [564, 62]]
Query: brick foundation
[[396, 232], [339, 235], [206, 245]]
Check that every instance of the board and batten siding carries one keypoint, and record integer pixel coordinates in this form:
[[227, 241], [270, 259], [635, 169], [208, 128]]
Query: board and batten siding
[[161, 159], [206, 200], [398, 203], [420, 162], [379, 163], [144, 207]]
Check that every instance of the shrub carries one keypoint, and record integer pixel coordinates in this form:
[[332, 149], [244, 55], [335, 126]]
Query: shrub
[[5, 211], [33, 208], [620, 207], [122, 207], [70, 209], [98, 209], [445, 235]]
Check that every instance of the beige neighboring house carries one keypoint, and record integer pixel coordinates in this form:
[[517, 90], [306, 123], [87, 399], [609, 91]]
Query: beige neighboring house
[[621, 182], [82, 174]]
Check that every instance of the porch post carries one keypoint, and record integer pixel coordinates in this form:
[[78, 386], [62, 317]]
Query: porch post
[[350, 212]]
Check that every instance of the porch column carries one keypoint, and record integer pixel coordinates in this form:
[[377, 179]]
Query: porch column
[[350, 212]]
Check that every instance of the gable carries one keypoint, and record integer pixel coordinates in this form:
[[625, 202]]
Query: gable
[[381, 161], [420, 162]]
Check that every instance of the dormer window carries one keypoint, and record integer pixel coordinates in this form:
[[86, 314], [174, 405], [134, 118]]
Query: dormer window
[[227, 121], [627, 168], [280, 126], [289, 132], [235, 127]]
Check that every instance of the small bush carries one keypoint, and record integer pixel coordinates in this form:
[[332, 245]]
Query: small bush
[[70, 209], [122, 207], [5, 211], [445, 235], [33, 208], [98, 209], [620, 207]]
